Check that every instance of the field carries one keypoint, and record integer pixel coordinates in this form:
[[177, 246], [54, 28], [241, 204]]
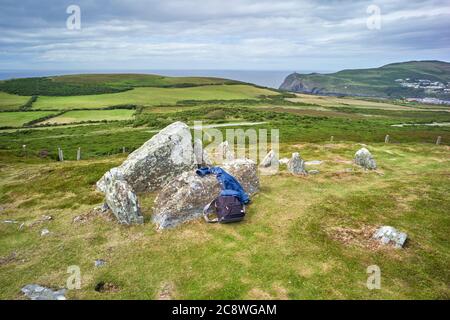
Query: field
[[151, 97], [304, 237], [346, 102], [93, 116], [18, 119], [11, 101], [285, 249], [83, 84]]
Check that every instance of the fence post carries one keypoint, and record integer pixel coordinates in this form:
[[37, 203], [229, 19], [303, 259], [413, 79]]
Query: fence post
[[123, 149], [60, 154], [331, 138], [438, 140], [24, 149], [79, 154], [386, 139]]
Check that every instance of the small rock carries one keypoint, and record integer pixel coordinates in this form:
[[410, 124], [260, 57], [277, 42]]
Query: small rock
[[37, 292], [390, 235], [10, 221], [284, 161], [99, 263], [313, 171], [313, 162], [296, 165], [44, 232], [364, 158]]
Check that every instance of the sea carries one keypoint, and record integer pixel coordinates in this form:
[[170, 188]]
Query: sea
[[265, 78]]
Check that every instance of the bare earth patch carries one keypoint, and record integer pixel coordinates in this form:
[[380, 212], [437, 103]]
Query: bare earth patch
[[361, 237]]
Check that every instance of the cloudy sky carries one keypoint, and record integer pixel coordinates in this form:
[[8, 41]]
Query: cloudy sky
[[213, 34]]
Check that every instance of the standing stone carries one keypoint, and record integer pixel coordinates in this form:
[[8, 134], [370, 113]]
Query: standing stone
[[184, 198], [79, 154], [224, 152], [123, 202], [332, 139], [200, 154], [157, 161], [364, 159], [270, 160], [438, 140], [296, 165], [389, 235], [386, 139], [60, 154]]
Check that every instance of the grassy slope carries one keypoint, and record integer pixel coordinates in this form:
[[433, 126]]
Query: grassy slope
[[90, 115], [18, 119], [152, 97], [379, 81], [11, 101], [84, 84], [137, 80], [282, 250]]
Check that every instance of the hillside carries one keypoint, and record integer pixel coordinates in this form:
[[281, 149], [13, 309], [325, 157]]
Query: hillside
[[413, 79], [86, 84], [304, 237]]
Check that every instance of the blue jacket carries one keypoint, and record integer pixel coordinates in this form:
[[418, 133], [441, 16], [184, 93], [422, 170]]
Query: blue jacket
[[228, 183]]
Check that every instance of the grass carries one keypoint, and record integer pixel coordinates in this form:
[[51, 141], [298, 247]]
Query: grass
[[18, 119], [84, 84], [91, 115], [377, 82], [151, 97], [347, 102], [282, 250], [138, 80], [11, 101]]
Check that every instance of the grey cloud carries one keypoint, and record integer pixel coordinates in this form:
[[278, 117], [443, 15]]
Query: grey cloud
[[233, 34]]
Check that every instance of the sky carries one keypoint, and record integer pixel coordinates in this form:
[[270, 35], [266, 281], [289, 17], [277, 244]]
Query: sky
[[227, 35]]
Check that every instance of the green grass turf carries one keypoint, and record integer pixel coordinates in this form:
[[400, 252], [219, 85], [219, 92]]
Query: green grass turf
[[91, 115], [151, 97], [284, 249], [11, 101], [18, 119]]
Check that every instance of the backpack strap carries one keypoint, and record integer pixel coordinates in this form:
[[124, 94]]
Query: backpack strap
[[205, 212]]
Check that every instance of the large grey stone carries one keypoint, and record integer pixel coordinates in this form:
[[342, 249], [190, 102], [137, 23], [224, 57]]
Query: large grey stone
[[157, 161], [123, 202], [364, 158], [390, 235], [296, 165], [184, 197]]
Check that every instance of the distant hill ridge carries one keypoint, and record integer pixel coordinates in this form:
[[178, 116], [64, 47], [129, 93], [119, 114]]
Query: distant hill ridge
[[412, 79], [91, 84]]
